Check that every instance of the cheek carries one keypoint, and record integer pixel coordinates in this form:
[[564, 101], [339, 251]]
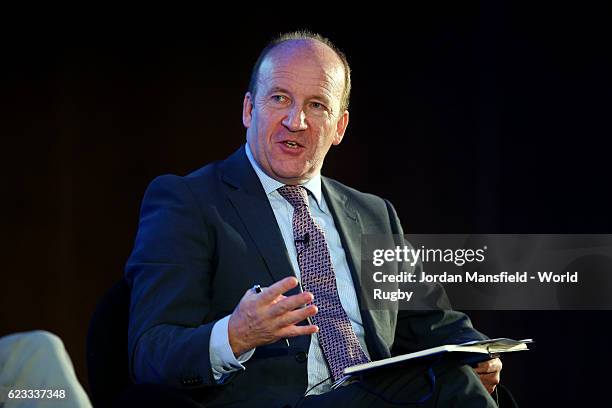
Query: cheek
[[269, 119], [326, 136]]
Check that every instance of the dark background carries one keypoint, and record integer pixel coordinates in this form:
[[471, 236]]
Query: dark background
[[491, 118]]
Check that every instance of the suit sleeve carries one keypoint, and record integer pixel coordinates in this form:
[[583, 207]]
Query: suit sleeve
[[170, 270], [434, 323]]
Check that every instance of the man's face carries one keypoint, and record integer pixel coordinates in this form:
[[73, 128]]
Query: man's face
[[295, 117]]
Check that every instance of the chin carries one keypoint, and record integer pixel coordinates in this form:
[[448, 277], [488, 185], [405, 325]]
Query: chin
[[291, 175], [289, 170]]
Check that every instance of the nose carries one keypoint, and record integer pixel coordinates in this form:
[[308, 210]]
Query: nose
[[295, 120]]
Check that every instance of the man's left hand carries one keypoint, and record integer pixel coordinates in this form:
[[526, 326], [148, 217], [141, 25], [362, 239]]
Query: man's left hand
[[489, 373]]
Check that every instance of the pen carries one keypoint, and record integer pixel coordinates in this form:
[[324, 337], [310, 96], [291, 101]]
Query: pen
[[259, 290], [302, 290]]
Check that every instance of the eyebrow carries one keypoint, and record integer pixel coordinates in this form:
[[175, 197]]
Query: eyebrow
[[277, 89]]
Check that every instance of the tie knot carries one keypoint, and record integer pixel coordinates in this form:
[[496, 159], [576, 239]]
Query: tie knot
[[296, 195]]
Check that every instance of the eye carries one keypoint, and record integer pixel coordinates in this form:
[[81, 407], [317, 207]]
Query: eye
[[317, 106], [279, 98]]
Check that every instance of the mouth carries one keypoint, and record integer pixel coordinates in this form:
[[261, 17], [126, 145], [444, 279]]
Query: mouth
[[291, 144]]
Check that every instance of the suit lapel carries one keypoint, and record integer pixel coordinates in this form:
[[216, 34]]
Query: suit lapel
[[249, 199], [349, 227]]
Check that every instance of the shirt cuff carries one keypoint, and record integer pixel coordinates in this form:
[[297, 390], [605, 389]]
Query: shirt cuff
[[222, 359]]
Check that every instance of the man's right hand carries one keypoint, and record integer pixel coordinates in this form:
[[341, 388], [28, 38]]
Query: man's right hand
[[266, 317]]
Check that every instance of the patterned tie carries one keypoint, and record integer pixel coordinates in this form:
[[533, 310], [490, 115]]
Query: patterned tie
[[336, 336]]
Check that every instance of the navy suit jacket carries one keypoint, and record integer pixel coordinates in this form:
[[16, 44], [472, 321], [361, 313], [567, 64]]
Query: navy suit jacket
[[206, 238]]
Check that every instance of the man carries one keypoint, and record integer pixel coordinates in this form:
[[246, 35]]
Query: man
[[265, 216]]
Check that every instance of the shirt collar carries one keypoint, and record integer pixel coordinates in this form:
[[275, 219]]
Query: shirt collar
[[270, 185]]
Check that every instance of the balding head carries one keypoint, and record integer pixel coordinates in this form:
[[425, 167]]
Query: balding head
[[306, 44], [296, 108]]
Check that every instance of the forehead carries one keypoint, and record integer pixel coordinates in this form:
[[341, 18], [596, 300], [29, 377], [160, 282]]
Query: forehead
[[302, 65]]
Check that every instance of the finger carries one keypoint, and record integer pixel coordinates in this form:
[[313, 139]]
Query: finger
[[293, 331], [296, 316], [490, 380], [290, 303], [495, 365], [489, 366], [269, 294], [483, 369], [278, 299]]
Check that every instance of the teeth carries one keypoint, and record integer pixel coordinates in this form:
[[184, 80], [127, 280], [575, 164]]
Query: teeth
[[291, 144]]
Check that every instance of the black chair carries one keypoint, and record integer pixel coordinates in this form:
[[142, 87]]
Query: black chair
[[107, 359]]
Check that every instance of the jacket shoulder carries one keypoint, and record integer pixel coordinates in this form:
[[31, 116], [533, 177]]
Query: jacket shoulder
[[372, 208], [359, 197], [202, 179]]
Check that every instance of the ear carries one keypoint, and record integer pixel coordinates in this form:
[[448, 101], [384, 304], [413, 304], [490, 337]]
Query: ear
[[341, 128], [247, 110]]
